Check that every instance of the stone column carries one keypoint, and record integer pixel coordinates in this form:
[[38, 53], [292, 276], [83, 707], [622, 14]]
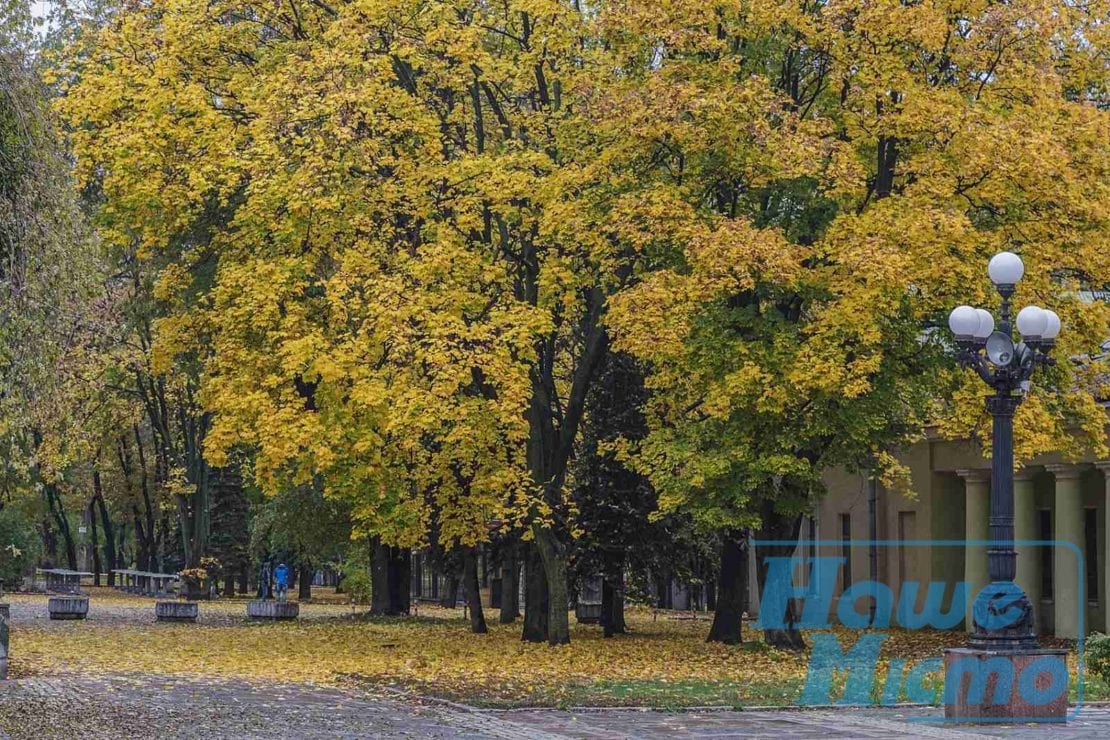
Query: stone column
[[976, 520], [1066, 575], [1025, 528], [1105, 468]]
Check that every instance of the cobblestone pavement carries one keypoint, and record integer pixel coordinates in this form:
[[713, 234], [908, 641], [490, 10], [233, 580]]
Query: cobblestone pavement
[[122, 706], [128, 706], [160, 706], [1091, 723]]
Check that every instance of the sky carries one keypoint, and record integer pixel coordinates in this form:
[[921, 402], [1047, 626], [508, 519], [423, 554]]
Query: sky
[[39, 9]]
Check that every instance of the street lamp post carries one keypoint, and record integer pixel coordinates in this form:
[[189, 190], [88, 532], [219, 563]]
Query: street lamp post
[[1002, 615]]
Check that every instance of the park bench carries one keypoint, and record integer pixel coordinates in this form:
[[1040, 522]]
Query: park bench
[[61, 580], [146, 583]]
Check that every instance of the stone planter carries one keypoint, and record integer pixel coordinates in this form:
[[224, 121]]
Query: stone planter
[[258, 609], [176, 611], [68, 607]]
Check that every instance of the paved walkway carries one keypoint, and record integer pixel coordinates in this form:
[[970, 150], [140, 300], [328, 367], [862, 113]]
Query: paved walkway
[[127, 706], [123, 706], [145, 706], [781, 724], [140, 611]]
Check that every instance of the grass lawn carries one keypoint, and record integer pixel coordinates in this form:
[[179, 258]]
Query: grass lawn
[[662, 662]]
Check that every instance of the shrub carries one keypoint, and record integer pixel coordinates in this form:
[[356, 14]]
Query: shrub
[[356, 582], [19, 546], [1097, 653]]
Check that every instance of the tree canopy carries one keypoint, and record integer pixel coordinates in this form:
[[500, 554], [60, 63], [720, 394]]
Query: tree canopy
[[383, 247]]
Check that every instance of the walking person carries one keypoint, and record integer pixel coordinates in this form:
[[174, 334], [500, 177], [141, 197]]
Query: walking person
[[281, 582]]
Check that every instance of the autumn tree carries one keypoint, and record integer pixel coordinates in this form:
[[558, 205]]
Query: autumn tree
[[159, 451], [392, 232], [48, 277], [231, 525], [391, 239], [907, 144], [615, 505], [303, 528]]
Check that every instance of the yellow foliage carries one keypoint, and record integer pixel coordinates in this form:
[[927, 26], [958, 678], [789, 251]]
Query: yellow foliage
[[434, 654], [664, 659], [418, 213]]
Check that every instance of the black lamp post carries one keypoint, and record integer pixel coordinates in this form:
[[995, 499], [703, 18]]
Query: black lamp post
[[1002, 615]]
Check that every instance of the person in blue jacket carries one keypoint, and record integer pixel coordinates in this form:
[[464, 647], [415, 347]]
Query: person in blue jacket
[[281, 582]]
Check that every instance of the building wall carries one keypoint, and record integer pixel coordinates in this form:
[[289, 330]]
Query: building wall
[[935, 508]]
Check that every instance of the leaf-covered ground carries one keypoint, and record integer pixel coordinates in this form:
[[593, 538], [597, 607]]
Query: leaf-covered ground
[[663, 661]]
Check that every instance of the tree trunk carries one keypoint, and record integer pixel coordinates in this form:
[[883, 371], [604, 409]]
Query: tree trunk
[[535, 598], [402, 564], [142, 541], [555, 569], [149, 545], [49, 542], [510, 585], [123, 555], [379, 578], [244, 580], [551, 445], [606, 607], [95, 544], [57, 510], [782, 528], [109, 533], [450, 597], [304, 588], [389, 577], [186, 525], [473, 593], [731, 583], [144, 529], [612, 595], [161, 543], [229, 584], [884, 176]]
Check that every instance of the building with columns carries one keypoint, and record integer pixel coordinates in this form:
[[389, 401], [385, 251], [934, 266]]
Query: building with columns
[[1054, 500]]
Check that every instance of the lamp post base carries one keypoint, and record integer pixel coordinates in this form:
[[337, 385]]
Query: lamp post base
[[1000, 686], [1002, 619]]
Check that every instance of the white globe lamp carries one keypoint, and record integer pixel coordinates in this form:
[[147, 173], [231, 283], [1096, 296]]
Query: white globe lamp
[[964, 322], [1005, 268], [986, 324], [1032, 321], [1053, 329]]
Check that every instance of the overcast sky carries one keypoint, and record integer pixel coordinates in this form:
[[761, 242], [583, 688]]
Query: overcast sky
[[39, 8]]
